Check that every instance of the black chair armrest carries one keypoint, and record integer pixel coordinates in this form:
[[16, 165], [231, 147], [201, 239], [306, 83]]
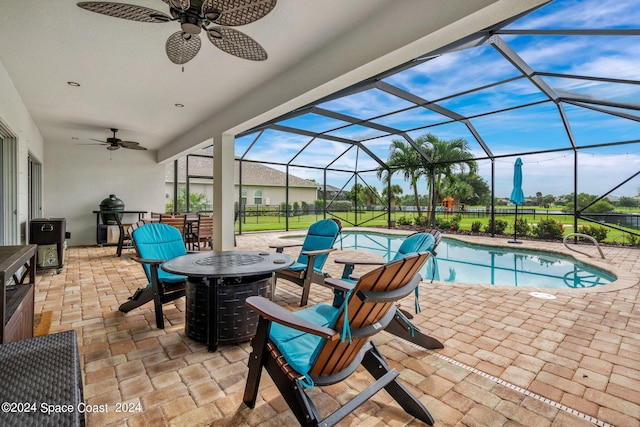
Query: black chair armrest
[[339, 284], [318, 252], [147, 261]]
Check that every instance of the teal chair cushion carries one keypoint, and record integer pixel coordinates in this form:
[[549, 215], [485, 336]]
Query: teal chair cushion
[[162, 242], [300, 349], [321, 235], [420, 242]]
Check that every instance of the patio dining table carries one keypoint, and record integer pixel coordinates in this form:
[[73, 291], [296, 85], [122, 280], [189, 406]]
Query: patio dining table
[[218, 284]]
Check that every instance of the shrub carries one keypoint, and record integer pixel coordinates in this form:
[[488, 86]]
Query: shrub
[[443, 223], [340, 206], [476, 226], [403, 220], [598, 233], [423, 220], [633, 240], [523, 228], [455, 222], [548, 229], [500, 226]]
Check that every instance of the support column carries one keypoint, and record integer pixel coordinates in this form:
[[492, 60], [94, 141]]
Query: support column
[[223, 192]]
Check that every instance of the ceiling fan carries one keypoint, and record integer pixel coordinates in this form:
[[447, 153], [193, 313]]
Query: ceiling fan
[[114, 143], [211, 16]]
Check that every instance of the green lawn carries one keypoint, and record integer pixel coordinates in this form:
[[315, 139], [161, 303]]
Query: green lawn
[[379, 219]]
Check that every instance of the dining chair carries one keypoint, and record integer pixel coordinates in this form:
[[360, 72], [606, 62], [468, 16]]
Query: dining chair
[[205, 232], [178, 221]]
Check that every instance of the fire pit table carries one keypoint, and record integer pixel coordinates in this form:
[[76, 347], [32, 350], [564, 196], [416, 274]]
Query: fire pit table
[[218, 284]]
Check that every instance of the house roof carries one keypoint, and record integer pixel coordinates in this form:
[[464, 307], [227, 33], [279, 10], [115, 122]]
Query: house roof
[[252, 173]]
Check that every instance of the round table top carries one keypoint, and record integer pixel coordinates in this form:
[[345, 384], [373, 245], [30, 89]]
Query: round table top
[[228, 263]]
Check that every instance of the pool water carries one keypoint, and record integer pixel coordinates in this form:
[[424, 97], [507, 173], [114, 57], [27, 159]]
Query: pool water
[[469, 263]]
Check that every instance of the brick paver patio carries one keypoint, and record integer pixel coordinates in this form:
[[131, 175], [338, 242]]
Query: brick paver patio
[[509, 358]]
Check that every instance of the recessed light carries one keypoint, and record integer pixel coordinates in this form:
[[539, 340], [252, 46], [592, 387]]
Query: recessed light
[[74, 84], [179, 105]]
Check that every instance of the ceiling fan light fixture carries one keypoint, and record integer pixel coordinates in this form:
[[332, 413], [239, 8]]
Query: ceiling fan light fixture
[[190, 24], [212, 15], [113, 147], [214, 33]]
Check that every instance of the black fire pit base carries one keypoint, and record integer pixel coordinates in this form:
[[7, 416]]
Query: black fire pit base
[[216, 310]]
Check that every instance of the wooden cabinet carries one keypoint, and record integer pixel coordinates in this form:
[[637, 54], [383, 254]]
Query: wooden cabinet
[[17, 283]]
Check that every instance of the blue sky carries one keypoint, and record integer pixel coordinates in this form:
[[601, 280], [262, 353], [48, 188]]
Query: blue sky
[[445, 79]]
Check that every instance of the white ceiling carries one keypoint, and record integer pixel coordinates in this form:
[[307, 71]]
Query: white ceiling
[[314, 47]]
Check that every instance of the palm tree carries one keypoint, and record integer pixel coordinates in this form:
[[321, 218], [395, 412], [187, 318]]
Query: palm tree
[[392, 193], [447, 157], [403, 158]]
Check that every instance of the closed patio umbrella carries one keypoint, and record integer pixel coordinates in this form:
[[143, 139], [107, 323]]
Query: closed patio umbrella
[[517, 196]]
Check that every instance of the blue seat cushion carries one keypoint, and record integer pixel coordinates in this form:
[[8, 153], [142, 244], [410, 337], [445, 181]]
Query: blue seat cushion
[[160, 242], [321, 235], [300, 349], [421, 242]]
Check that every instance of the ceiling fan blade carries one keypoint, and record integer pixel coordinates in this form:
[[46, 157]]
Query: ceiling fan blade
[[99, 140], [181, 47], [236, 43], [179, 4], [237, 12], [125, 11], [131, 144], [133, 147]]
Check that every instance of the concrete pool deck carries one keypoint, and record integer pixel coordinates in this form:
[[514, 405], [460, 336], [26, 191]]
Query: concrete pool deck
[[509, 359]]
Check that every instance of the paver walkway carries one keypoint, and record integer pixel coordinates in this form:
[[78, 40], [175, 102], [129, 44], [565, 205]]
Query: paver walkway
[[509, 358]]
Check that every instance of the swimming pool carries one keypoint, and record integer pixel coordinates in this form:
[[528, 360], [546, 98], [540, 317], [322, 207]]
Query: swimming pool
[[458, 261]]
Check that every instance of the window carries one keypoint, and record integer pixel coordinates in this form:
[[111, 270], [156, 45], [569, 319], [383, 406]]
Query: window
[[257, 197], [35, 188], [243, 197], [8, 189]]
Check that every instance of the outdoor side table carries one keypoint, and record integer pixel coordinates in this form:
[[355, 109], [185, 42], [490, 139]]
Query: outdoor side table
[[217, 287]]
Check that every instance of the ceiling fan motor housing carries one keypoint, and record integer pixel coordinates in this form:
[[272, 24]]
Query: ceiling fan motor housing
[[190, 23]]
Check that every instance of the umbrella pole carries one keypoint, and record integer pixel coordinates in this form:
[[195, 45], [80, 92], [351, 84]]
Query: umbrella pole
[[515, 232]]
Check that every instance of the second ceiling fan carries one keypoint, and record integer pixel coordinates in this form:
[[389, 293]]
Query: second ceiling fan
[[211, 16], [114, 143]]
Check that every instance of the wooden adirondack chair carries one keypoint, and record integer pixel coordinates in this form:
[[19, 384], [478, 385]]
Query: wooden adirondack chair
[[156, 243], [307, 269], [401, 325], [323, 344]]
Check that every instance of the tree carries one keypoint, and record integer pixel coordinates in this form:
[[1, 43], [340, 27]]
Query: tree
[[627, 202], [392, 194], [370, 196], [404, 159], [548, 200], [584, 199], [480, 193], [539, 198], [197, 202], [446, 157]]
